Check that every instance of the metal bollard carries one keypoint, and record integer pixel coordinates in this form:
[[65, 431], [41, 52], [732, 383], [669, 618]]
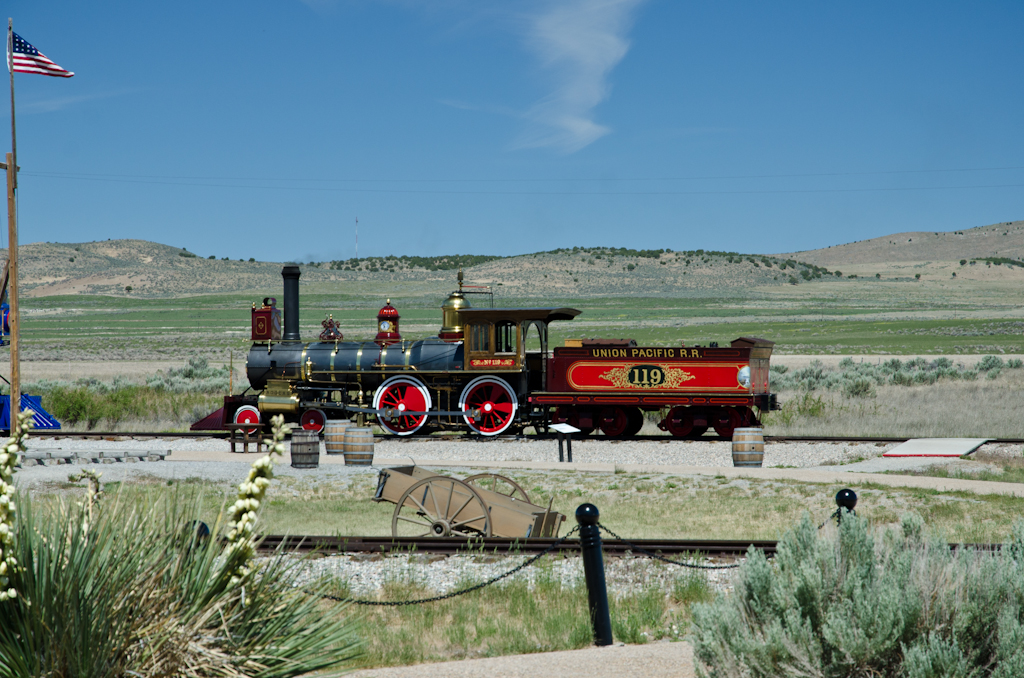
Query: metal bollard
[[587, 516]]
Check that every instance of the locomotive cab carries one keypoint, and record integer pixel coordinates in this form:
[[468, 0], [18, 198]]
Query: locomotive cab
[[510, 339]]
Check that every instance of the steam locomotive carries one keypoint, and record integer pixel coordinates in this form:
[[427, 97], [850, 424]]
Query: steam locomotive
[[491, 371]]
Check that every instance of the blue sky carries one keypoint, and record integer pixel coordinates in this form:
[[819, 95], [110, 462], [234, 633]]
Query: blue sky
[[264, 129]]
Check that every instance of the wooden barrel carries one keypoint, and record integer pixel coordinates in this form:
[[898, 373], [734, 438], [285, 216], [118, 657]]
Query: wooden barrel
[[748, 447], [305, 449], [358, 446], [334, 435]]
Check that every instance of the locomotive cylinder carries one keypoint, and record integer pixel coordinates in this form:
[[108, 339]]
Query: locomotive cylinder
[[291, 275]]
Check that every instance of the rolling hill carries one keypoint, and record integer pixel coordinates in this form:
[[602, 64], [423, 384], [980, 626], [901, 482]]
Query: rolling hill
[[146, 269]]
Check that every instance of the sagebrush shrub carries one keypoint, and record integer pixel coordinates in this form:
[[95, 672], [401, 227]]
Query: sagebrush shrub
[[895, 602]]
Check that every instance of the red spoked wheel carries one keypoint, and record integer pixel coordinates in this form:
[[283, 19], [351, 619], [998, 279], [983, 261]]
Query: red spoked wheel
[[613, 421], [402, 394], [725, 421], [247, 414], [493, 401], [313, 420]]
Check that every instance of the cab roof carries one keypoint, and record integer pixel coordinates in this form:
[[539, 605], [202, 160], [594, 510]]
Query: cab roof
[[518, 315]]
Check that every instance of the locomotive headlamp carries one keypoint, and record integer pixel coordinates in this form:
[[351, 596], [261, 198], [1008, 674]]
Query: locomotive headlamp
[[743, 376], [846, 499]]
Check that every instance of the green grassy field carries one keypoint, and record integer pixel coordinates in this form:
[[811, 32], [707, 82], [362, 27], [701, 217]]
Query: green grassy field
[[633, 505], [97, 328]]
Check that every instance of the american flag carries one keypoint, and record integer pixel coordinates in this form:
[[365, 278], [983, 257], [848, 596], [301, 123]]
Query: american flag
[[28, 59]]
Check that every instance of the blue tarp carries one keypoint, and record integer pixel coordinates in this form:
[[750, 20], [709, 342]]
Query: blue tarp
[[41, 419]]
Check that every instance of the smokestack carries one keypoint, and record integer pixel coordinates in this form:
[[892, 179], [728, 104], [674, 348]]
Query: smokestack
[[291, 275]]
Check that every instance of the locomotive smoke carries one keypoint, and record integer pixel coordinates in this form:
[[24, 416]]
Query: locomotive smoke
[[291, 274]]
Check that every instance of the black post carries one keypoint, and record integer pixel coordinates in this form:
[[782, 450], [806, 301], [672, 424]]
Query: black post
[[587, 516], [568, 446], [561, 450]]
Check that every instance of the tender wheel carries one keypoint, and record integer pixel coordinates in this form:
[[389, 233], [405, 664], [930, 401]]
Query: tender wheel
[[247, 414], [313, 420], [494, 400], [679, 422], [613, 421], [499, 485], [441, 507], [725, 421], [636, 421], [402, 394], [571, 416]]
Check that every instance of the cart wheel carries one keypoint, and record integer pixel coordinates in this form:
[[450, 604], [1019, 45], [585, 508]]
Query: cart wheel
[[441, 507], [495, 401], [402, 394], [499, 485]]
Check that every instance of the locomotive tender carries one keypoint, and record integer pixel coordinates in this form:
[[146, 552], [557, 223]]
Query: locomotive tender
[[492, 370]]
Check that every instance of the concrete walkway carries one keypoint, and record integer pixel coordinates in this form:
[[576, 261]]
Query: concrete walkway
[[653, 660], [831, 475]]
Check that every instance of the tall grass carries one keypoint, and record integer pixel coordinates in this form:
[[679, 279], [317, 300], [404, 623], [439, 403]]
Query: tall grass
[[896, 602]]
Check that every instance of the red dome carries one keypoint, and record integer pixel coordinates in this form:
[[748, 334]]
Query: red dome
[[388, 312]]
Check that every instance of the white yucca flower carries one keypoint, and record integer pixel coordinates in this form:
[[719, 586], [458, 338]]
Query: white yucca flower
[[242, 515]]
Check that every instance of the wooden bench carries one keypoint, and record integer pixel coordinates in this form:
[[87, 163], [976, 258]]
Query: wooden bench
[[245, 434]]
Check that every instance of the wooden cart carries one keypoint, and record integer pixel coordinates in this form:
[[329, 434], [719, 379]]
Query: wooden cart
[[483, 505]]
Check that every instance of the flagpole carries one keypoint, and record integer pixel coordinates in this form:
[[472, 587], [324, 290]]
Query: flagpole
[[10, 67], [14, 408]]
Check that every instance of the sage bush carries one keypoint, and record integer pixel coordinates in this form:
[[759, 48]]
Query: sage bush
[[868, 603], [859, 379]]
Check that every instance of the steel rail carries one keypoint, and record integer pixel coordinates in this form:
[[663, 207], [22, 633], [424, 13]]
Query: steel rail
[[500, 545], [468, 437], [334, 545]]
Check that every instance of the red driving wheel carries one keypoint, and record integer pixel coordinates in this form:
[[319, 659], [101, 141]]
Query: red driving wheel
[[402, 394], [313, 420], [492, 401]]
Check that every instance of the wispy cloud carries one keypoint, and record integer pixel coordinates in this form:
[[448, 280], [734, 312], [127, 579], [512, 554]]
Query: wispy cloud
[[579, 42], [59, 103]]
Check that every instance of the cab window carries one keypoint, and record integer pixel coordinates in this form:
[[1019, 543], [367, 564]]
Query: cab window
[[505, 336], [480, 338]]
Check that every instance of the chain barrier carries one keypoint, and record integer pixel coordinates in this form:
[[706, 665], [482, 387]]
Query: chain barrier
[[658, 556], [452, 594], [838, 517], [835, 514]]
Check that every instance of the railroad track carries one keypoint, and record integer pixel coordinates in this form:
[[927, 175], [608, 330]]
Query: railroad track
[[502, 546], [187, 435], [669, 548]]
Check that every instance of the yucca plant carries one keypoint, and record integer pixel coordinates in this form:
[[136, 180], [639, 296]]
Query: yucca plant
[[138, 591]]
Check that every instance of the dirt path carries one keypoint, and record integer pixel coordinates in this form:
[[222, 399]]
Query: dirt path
[[654, 660]]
